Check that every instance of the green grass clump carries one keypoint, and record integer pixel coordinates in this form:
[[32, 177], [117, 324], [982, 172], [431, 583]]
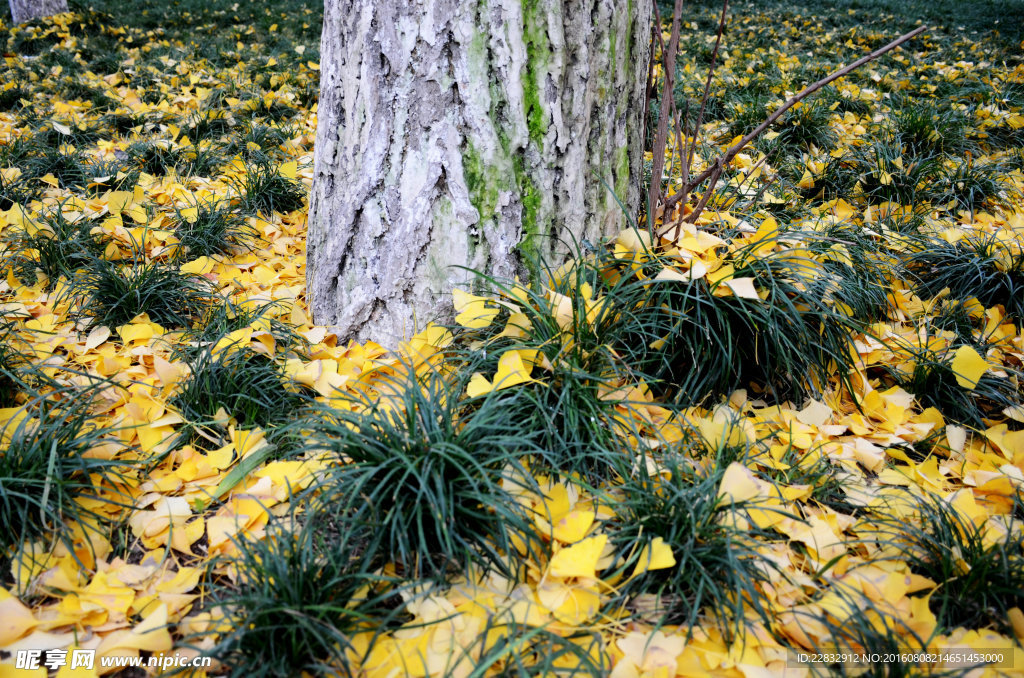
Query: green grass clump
[[788, 344], [807, 125], [265, 190], [53, 247], [979, 266], [46, 468], [13, 358], [227, 316], [718, 568], [112, 292], [976, 582], [214, 229], [250, 388], [302, 593], [971, 184], [154, 157], [426, 475], [925, 128]]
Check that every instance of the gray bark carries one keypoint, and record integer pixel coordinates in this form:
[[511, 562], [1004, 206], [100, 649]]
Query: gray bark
[[469, 133], [26, 10]]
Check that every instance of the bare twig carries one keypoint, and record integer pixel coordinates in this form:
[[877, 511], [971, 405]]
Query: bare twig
[[707, 88], [661, 139], [716, 168]]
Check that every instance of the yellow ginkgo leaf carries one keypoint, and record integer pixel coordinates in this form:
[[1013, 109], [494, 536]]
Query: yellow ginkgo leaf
[[472, 311], [573, 526], [579, 560], [742, 287], [968, 366], [478, 385], [513, 368], [738, 483], [806, 181], [655, 556]]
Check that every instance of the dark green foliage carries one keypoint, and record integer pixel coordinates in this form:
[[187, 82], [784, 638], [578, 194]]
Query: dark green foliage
[[806, 125], [718, 569], [971, 184], [925, 129], [214, 229], [977, 582], [426, 476], [112, 293], [302, 593], [69, 167], [269, 140], [932, 380], [13, 359], [981, 267], [11, 98], [790, 343], [209, 124], [228, 316], [265, 190], [882, 179], [45, 468], [112, 175], [154, 157], [56, 248], [20, 191], [251, 388]]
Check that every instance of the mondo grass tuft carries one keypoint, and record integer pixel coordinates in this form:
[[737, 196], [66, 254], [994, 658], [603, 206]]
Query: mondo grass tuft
[[14, 358], [52, 246], [854, 626], [49, 465], [206, 228], [264, 190], [787, 344], [431, 479], [113, 292], [234, 384], [228, 316], [979, 576], [718, 568], [982, 267], [927, 372], [302, 595]]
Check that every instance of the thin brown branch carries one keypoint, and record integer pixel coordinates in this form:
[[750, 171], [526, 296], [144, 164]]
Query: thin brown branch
[[661, 139], [715, 169], [707, 88]]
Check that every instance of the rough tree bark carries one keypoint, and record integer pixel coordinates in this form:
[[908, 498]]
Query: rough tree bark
[[26, 10], [468, 133]]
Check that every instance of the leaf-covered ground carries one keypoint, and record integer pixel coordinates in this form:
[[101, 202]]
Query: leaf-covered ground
[[794, 428]]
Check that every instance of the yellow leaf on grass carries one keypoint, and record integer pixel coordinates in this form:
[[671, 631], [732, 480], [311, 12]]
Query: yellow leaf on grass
[[738, 483], [289, 169], [968, 366], [199, 266], [806, 181], [655, 556], [579, 560], [472, 311], [743, 287], [513, 368], [573, 526]]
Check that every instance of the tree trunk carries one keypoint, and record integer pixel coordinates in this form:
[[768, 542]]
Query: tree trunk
[[26, 10], [469, 133]]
